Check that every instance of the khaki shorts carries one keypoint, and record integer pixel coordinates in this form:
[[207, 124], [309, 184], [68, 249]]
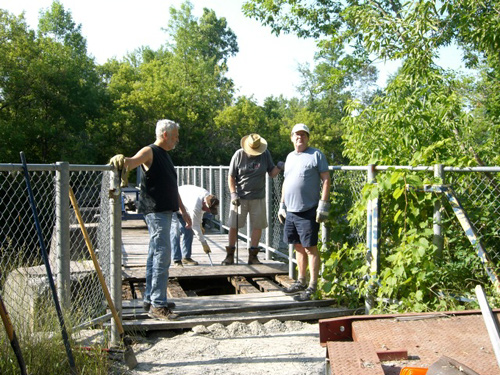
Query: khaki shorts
[[255, 208]]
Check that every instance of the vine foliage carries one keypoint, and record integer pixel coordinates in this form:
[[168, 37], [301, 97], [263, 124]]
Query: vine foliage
[[414, 275]]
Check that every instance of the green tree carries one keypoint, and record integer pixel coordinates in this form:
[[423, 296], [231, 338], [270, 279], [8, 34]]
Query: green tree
[[50, 89], [184, 81], [412, 32]]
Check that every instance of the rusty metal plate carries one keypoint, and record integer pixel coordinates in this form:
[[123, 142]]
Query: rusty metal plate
[[353, 358], [463, 338]]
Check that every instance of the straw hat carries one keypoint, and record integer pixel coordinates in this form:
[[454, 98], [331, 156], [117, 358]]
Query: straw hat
[[253, 144]]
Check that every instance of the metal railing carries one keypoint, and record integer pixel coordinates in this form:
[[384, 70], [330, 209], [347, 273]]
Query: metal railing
[[477, 188]]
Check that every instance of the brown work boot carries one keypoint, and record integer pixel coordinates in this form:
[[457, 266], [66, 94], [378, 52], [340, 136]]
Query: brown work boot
[[252, 256], [230, 256], [162, 313], [189, 262]]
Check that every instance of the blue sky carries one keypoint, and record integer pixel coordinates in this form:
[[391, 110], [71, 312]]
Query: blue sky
[[265, 65]]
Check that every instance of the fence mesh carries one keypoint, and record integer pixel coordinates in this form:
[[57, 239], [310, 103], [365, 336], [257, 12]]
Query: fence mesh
[[90, 189], [479, 194], [24, 283]]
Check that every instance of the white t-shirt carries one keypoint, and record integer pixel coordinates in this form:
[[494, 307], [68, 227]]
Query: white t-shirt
[[192, 198]]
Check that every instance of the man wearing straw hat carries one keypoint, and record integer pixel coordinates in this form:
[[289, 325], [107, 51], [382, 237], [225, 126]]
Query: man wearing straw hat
[[247, 185]]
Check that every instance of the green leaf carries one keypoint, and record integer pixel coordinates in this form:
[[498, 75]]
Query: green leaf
[[397, 215], [397, 192]]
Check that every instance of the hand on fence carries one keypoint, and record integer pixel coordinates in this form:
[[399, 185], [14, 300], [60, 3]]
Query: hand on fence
[[282, 213], [235, 200], [322, 211], [118, 161]]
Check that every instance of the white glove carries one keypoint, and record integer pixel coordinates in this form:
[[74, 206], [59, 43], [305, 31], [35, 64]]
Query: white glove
[[282, 213], [322, 211], [206, 248]]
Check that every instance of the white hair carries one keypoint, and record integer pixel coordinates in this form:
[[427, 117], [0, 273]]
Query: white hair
[[165, 125]]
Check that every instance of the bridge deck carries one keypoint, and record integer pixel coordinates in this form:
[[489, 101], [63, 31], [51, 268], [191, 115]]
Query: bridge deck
[[206, 294]]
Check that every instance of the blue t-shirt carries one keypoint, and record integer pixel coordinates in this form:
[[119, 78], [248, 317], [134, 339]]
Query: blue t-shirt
[[302, 185]]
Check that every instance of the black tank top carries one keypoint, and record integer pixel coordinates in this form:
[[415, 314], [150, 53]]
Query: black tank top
[[159, 190]]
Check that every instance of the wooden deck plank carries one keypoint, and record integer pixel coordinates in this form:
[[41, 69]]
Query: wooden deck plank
[[206, 271], [228, 303], [185, 322], [135, 239]]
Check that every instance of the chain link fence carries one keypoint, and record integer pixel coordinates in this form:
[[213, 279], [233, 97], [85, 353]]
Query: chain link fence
[[24, 284], [23, 280], [477, 189]]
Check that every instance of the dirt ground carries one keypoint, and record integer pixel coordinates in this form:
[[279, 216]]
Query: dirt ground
[[290, 348]]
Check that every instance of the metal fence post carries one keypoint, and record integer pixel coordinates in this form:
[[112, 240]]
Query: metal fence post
[[62, 234], [268, 213], [221, 199], [211, 180], [116, 251], [371, 237], [438, 236], [291, 264]]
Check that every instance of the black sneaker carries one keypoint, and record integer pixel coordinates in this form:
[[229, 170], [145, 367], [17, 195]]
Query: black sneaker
[[295, 288], [305, 295], [162, 313], [147, 305], [178, 263]]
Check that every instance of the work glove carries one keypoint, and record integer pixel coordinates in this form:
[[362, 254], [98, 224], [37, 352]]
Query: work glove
[[322, 211], [281, 165], [118, 161], [235, 200], [282, 213], [206, 248]]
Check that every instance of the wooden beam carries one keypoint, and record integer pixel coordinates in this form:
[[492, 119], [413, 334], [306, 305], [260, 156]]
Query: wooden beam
[[242, 285], [266, 285], [174, 289], [284, 280]]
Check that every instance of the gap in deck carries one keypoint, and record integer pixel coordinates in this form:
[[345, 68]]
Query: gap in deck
[[200, 287]]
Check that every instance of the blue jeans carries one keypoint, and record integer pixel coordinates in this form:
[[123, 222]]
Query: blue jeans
[[158, 260], [181, 238]]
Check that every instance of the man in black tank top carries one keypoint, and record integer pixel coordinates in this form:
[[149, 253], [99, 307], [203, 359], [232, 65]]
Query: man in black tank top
[[158, 200]]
